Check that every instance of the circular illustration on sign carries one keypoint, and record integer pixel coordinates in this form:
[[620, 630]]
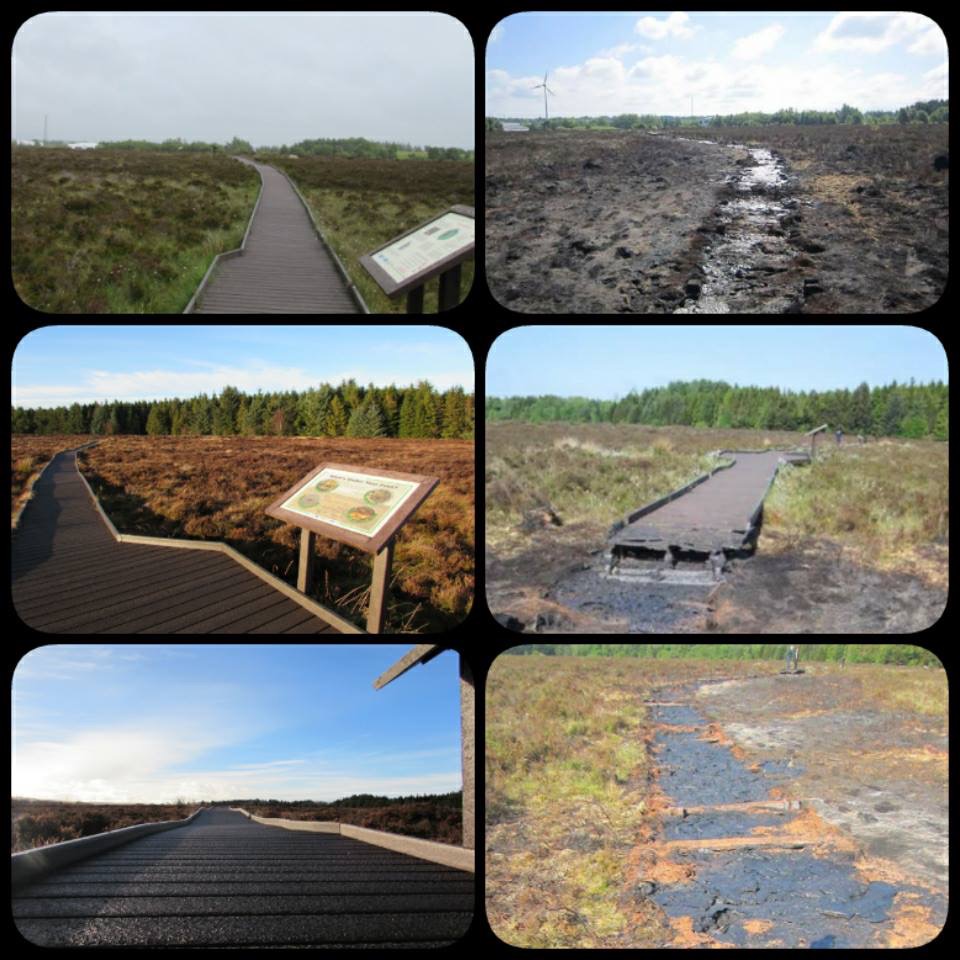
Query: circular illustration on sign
[[360, 514], [447, 234], [325, 486], [308, 500], [377, 496]]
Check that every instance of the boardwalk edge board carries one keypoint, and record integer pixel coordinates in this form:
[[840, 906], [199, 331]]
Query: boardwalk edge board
[[459, 857], [30, 865], [229, 253], [216, 546], [351, 286]]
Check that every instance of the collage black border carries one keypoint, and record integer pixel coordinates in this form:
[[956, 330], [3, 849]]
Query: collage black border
[[479, 320]]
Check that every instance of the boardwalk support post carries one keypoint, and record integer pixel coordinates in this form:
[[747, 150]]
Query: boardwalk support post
[[423, 653], [415, 300], [377, 611], [448, 293], [305, 570]]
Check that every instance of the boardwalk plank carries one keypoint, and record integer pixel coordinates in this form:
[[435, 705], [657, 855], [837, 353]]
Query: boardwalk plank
[[69, 575], [399, 901], [284, 268]]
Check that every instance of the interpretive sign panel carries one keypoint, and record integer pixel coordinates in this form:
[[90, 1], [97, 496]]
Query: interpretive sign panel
[[424, 252], [364, 508]]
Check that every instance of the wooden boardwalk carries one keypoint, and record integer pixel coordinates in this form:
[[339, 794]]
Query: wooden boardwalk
[[284, 268], [717, 513], [71, 576], [225, 881]]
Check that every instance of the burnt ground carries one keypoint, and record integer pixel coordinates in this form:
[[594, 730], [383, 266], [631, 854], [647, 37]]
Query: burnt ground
[[633, 222], [852, 851], [598, 221], [880, 775], [554, 581]]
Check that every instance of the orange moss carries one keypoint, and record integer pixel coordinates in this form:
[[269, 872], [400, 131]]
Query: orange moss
[[912, 924], [757, 927], [685, 936], [716, 734]]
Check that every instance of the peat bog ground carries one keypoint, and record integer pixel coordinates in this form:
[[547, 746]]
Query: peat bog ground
[[781, 219], [122, 231], [857, 542], [711, 804]]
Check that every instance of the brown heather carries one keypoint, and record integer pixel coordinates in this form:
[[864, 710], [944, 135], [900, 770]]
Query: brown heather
[[219, 487]]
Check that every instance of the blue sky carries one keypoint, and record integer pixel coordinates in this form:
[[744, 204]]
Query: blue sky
[[61, 365], [607, 362], [606, 64], [153, 723]]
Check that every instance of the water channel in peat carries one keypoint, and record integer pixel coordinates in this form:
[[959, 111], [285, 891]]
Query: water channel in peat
[[744, 262]]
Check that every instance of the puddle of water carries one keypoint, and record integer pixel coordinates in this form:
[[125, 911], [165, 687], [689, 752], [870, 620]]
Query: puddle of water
[[738, 263]]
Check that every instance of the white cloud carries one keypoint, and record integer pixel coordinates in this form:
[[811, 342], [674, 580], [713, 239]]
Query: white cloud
[[104, 385], [676, 25], [755, 45], [621, 50], [931, 42], [496, 34], [876, 32], [138, 765], [664, 84]]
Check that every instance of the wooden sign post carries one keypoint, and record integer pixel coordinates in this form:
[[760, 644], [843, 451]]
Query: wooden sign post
[[362, 508], [435, 248]]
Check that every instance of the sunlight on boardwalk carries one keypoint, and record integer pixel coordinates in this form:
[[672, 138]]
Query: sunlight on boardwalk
[[71, 576]]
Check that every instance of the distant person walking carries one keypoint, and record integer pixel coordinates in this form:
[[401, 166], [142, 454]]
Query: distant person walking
[[793, 658], [839, 436]]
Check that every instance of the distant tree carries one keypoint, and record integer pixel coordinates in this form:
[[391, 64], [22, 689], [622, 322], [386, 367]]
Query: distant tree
[[158, 422], [367, 420]]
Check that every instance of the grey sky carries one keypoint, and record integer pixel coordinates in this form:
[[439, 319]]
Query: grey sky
[[269, 78]]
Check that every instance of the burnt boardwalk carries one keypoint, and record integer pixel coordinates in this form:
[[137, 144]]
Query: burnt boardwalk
[[71, 576], [224, 881], [284, 268], [716, 514]]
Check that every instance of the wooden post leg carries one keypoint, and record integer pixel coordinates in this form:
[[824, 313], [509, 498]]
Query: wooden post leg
[[468, 737], [305, 570], [377, 612], [448, 292], [415, 300]]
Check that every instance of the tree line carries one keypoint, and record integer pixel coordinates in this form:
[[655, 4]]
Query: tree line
[[347, 410], [923, 111], [323, 147], [908, 410], [888, 653]]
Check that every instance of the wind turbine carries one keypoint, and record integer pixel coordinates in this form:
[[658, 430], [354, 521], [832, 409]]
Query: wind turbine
[[546, 90]]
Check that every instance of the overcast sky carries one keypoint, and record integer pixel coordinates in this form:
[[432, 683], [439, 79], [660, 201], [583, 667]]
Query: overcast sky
[[606, 64], [153, 722], [267, 78]]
